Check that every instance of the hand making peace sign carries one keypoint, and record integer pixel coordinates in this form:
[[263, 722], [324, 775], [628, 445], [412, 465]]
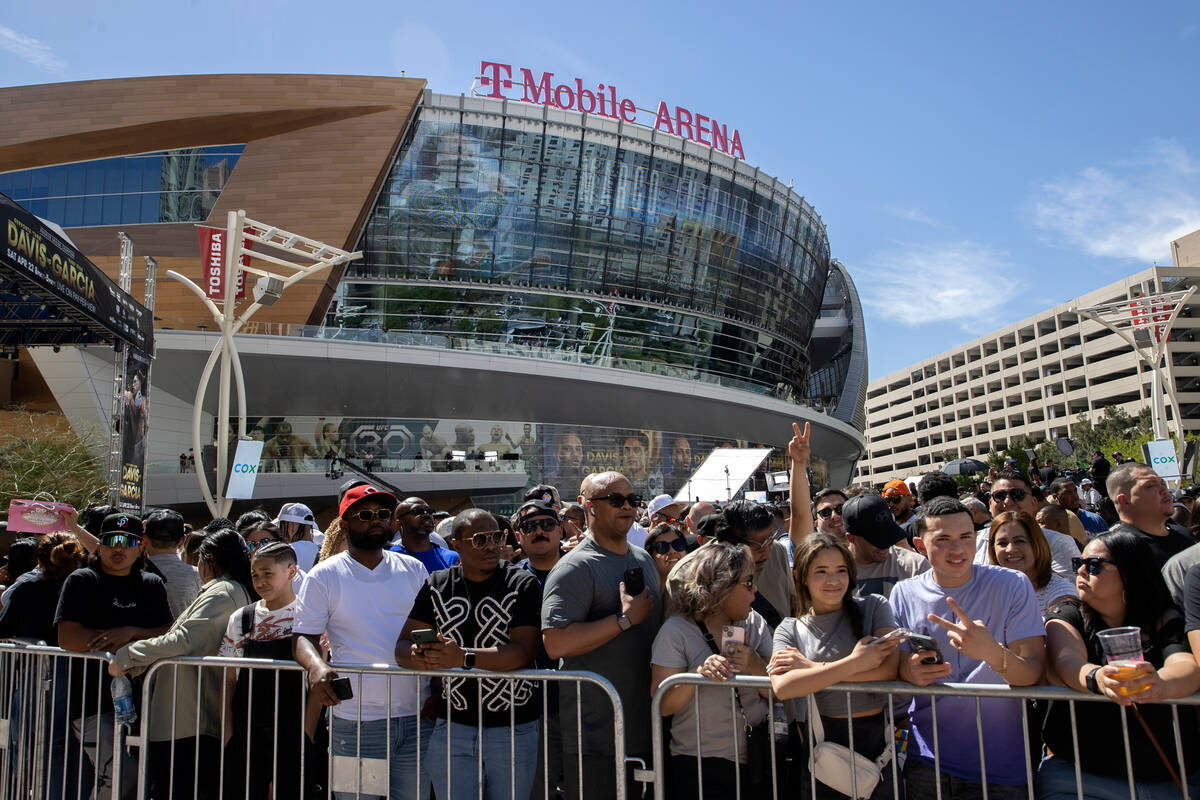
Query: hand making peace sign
[[970, 636], [799, 449]]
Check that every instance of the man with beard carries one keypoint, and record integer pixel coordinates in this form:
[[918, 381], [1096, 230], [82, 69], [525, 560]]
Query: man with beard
[[360, 599], [415, 522], [486, 616], [592, 623], [540, 534]]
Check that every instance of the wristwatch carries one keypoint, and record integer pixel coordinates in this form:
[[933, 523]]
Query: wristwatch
[[1090, 680], [468, 659], [623, 621]]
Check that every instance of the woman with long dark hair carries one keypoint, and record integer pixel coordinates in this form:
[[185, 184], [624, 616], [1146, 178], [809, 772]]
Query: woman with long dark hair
[[1120, 585], [1016, 541], [830, 642], [175, 714]]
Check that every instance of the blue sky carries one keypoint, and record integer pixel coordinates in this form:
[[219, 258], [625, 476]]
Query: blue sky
[[973, 164]]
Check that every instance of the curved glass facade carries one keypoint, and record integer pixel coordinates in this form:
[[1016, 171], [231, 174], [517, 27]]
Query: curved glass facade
[[167, 186], [510, 224]]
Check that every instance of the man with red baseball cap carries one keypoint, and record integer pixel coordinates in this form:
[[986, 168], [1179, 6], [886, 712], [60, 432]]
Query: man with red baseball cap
[[360, 599]]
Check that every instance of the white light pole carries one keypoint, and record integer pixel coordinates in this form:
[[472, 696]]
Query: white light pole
[[1151, 316], [269, 287]]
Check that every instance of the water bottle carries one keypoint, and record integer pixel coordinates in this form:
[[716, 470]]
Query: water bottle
[[122, 698]]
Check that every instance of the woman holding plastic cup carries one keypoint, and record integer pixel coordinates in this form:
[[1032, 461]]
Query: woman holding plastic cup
[[1125, 641]]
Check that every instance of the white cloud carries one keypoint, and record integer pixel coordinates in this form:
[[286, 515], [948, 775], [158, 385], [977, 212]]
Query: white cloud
[[961, 282], [1127, 209], [912, 214], [421, 53], [30, 50]]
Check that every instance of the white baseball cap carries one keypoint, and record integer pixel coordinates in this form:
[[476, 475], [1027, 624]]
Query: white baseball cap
[[659, 503]]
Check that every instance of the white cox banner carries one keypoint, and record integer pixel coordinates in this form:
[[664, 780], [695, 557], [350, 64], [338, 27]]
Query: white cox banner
[[1163, 457], [245, 469]]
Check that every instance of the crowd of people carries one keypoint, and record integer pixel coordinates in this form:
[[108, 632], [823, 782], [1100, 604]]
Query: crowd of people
[[1013, 581]]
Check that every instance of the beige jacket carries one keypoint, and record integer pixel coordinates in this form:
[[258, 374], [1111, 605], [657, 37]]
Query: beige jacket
[[197, 632]]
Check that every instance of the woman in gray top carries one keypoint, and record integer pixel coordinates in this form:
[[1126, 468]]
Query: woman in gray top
[[715, 590], [830, 643]]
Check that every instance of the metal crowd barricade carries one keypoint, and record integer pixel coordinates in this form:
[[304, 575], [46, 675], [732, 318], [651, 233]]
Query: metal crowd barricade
[[57, 740], [362, 773], [895, 720]]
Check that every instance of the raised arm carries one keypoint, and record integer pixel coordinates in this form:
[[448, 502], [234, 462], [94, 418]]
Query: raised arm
[[800, 453]]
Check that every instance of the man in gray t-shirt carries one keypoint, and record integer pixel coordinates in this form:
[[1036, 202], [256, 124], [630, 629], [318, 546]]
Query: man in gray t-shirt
[[593, 624], [164, 531]]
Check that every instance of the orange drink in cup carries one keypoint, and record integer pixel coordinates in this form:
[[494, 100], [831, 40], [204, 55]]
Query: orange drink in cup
[[1123, 650]]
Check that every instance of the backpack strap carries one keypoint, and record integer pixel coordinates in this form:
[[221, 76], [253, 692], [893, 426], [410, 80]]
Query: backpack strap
[[246, 620]]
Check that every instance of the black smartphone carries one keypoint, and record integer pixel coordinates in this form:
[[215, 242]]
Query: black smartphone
[[425, 636], [341, 687], [926, 644], [635, 581]]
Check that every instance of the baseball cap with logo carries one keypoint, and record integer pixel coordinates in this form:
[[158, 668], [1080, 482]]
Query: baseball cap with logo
[[360, 493], [121, 523], [896, 487], [869, 516]]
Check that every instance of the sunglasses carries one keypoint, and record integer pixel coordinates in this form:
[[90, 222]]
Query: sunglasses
[[545, 523], [829, 511], [1095, 564], [369, 514], [481, 541], [893, 499], [420, 511], [666, 519], [662, 548], [254, 545], [120, 540], [617, 500], [1017, 495]]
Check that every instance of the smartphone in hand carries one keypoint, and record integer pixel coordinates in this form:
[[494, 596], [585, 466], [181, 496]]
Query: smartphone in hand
[[899, 633], [635, 581], [731, 637], [341, 687], [424, 636], [926, 644]]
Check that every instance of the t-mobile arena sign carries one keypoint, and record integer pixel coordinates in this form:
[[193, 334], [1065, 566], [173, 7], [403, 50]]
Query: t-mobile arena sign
[[603, 101]]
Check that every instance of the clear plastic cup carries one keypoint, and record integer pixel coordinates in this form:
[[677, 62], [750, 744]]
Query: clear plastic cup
[[1123, 649]]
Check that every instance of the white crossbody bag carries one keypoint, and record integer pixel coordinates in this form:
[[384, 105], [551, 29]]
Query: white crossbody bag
[[839, 767]]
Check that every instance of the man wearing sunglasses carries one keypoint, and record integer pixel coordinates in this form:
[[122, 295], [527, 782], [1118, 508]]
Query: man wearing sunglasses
[[592, 623], [415, 522], [900, 500], [1011, 492], [665, 508], [486, 614], [360, 599], [540, 533]]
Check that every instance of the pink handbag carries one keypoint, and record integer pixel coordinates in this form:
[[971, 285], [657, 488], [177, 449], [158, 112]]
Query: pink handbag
[[37, 516]]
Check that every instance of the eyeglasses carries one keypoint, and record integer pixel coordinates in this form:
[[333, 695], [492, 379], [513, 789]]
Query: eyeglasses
[[369, 514], [1095, 564], [254, 545], [617, 500], [760, 546], [662, 548], [120, 540], [1017, 495], [483, 540], [661, 517], [420, 511], [545, 523], [893, 499], [829, 511]]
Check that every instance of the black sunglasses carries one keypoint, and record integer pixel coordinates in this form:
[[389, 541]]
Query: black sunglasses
[[617, 500], [481, 540], [829, 511], [368, 514], [662, 548], [894, 499], [545, 523], [120, 540], [1017, 495], [1095, 564], [420, 511]]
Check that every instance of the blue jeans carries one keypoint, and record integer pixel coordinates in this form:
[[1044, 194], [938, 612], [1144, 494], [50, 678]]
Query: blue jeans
[[508, 761], [1056, 781], [370, 742]]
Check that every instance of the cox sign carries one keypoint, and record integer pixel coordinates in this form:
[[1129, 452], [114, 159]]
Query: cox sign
[[244, 470], [1161, 455]]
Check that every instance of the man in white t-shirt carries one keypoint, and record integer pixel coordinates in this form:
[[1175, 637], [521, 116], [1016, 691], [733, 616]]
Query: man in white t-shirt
[[360, 599], [1011, 492]]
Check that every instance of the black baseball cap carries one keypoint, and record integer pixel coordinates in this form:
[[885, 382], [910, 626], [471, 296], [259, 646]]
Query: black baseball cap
[[868, 516], [534, 509], [121, 523]]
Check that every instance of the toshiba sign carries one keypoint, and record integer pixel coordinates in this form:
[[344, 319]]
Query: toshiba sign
[[604, 101]]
